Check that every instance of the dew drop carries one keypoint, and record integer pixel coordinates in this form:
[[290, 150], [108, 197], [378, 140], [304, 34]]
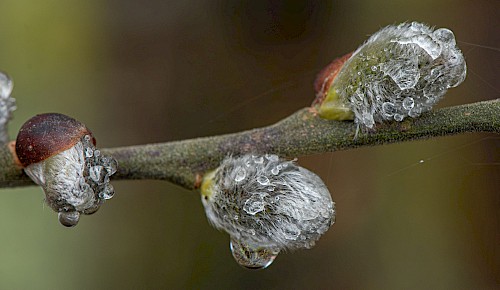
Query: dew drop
[[111, 165], [415, 112], [93, 209], [263, 180], [107, 192], [89, 152], [272, 157], [97, 153], [408, 103], [275, 170], [445, 35], [254, 204], [398, 117], [95, 173], [374, 68], [291, 232], [240, 174], [87, 138], [69, 218], [258, 160], [250, 257], [388, 109], [367, 120]]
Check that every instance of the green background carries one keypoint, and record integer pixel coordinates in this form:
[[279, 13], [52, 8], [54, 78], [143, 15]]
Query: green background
[[152, 71]]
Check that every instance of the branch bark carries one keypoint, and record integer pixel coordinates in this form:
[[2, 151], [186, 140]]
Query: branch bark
[[302, 133]]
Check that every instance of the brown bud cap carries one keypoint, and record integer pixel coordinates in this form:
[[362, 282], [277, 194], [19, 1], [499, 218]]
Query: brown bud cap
[[326, 76], [46, 135]]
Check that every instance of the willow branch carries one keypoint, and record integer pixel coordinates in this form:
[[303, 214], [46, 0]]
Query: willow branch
[[302, 133]]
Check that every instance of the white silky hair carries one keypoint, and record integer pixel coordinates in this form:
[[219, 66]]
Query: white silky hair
[[63, 180], [7, 106], [265, 202]]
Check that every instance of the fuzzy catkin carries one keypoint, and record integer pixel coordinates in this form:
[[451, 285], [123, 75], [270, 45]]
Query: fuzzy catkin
[[265, 202], [400, 71], [7, 106], [75, 181]]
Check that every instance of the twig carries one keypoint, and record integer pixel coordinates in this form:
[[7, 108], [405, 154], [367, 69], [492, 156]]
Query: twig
[[302, 133]]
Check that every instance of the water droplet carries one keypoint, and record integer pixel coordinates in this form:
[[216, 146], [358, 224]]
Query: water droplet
[[367, 120], [95, 173], [240, 174], [271, 188], [291, 232], [275, 170], [89, 152], [272, 157], [87, 138], [97, 153], [250, 257], [374, 68], [69, 218], [259, 160], [425, 42], [421, 161], [110, 164], [107, 192], [408, 103], [263, 180], [446, 36], [398, 117], [93, 209], [254, 204], [415, 112]]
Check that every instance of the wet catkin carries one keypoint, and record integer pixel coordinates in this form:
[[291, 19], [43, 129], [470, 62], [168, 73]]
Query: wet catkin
[[266, 205], [400, 71]]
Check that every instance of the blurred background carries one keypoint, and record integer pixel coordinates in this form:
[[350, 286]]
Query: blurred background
[[153, 71]]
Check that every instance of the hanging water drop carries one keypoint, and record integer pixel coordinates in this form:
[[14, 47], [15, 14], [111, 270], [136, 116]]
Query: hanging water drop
[[69, 218], [107, 192], [250, 257]]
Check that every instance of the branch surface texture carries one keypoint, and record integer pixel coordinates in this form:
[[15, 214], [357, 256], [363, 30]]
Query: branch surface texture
[[302, 133]]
